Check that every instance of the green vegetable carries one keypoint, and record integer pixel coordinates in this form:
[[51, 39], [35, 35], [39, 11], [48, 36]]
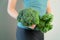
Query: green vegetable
[[28, 17], [45, 23]]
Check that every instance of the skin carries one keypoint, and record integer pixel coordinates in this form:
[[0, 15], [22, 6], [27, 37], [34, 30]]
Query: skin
[[13, 13]]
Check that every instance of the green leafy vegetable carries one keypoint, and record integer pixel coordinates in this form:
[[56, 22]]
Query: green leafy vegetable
[[28, 17], [45, 23]]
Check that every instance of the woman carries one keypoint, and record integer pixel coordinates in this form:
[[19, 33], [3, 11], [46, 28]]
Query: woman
[[23, 33]]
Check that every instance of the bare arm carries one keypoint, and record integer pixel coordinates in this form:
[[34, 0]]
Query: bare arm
[[48, 7], [11, 8]]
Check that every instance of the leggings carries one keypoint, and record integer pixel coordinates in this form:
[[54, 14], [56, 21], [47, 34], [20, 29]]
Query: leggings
[[28, 34]]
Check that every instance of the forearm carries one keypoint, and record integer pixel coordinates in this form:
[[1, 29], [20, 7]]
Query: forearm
[[48, 7], [13, 13], [49, 10]]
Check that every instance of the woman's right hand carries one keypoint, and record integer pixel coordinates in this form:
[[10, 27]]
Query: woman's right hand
[[32, 26]]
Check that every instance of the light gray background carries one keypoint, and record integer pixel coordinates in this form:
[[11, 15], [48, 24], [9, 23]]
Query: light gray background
[[8, 24], [54, 34]]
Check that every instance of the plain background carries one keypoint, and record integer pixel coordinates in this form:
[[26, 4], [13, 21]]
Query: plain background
[[8, 24]]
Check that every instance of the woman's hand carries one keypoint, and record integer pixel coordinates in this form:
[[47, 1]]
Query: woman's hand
[[33, 26]]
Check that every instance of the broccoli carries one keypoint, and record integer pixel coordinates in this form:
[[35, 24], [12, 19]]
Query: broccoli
[[45, 23], [28, 17]]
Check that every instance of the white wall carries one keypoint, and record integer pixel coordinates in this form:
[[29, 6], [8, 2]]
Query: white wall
[[54, 34]]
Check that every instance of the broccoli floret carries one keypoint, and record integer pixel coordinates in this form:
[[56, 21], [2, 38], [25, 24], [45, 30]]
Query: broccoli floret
[[28, 17], [45, 23]]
